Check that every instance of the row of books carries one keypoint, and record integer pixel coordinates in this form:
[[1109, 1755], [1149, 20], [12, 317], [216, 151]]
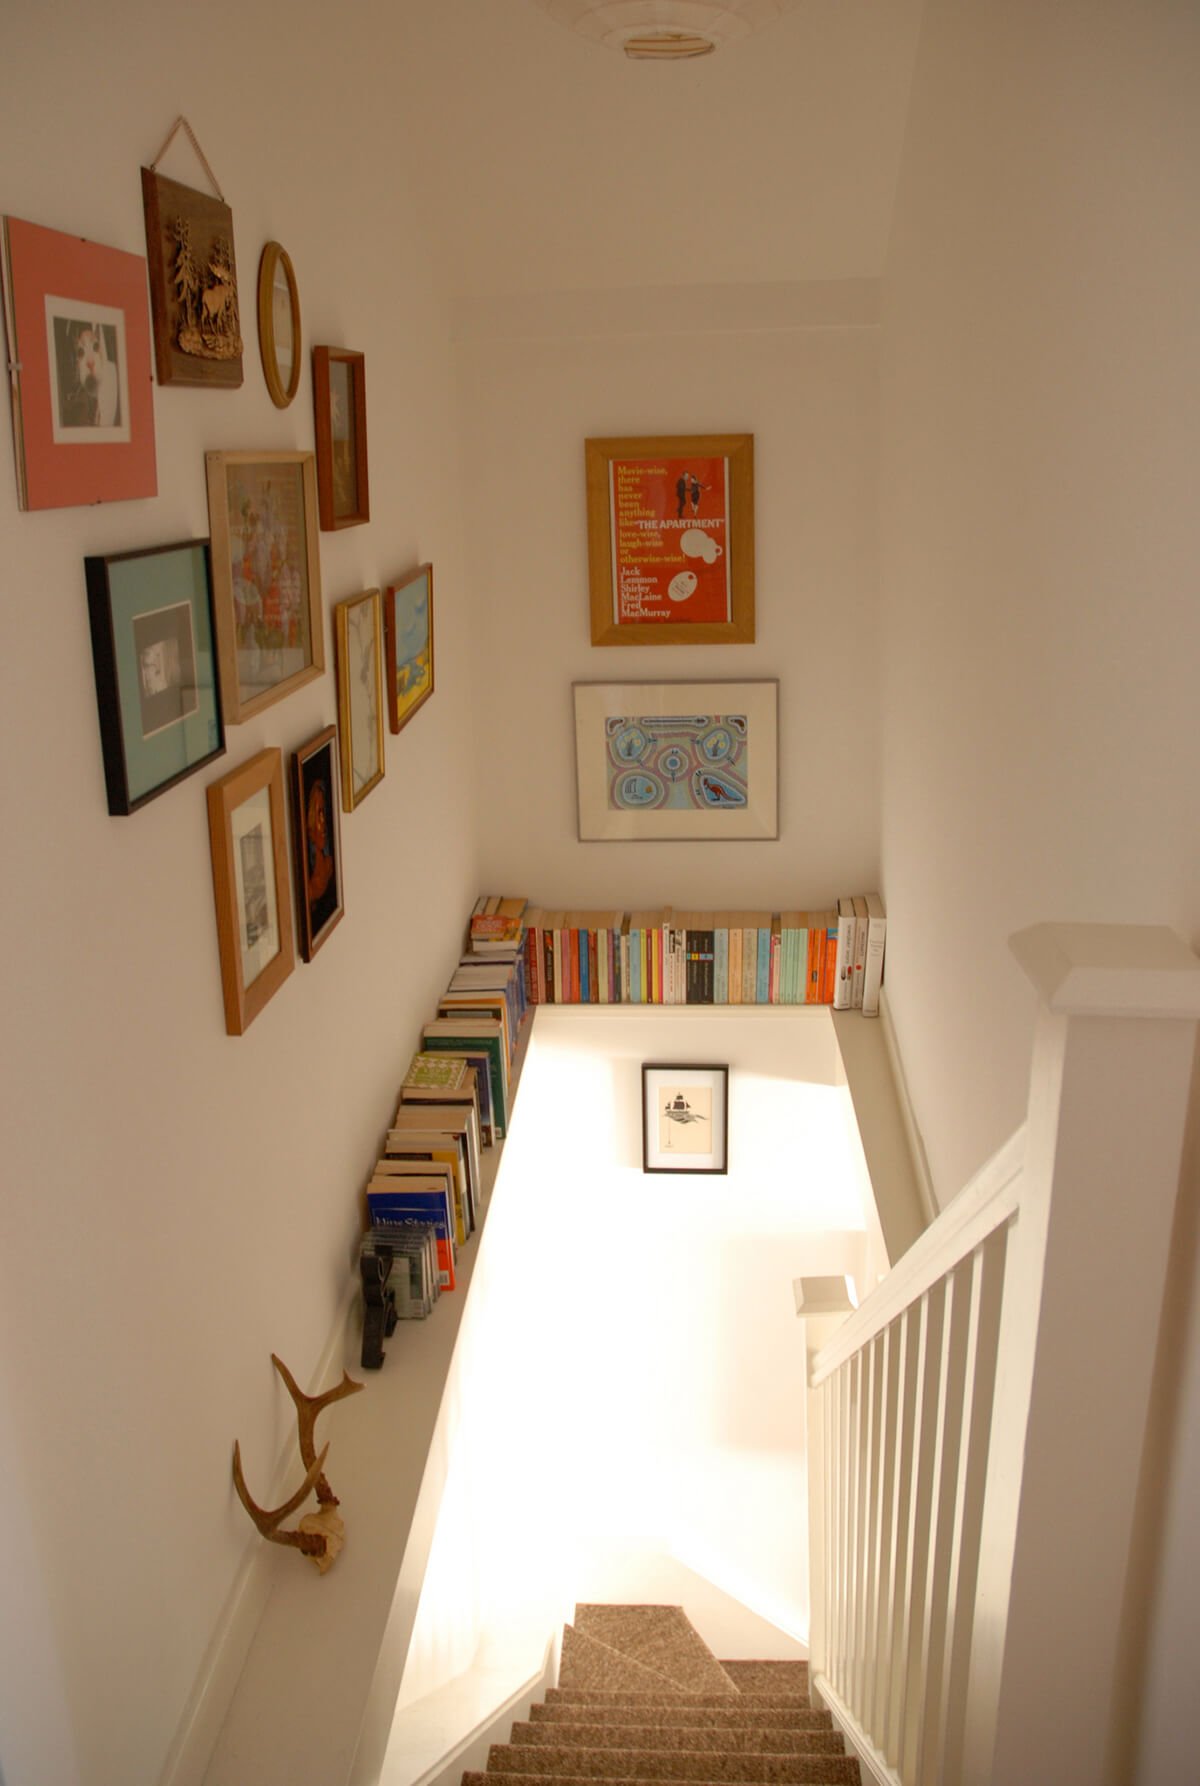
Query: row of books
[[669, 957], [425, 1192]]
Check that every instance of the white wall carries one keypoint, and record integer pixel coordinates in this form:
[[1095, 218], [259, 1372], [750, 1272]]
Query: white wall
[[1039, 543], [796, 367], [631, 1372], [177, 1203]]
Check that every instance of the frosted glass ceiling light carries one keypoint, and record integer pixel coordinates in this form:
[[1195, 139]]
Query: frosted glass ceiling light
[[665, 30]]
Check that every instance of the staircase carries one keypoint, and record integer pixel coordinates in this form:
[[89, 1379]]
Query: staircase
[[641, 1698]]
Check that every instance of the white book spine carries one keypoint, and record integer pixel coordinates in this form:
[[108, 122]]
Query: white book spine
[[844, 982], [873, 967]]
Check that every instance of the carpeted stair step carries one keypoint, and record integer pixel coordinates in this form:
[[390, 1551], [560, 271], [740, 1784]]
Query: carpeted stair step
[[736, 1715], [602, 1696], [659, 1637], [720, 1739], [587, 1663], [531, 1761], [776, 1678]]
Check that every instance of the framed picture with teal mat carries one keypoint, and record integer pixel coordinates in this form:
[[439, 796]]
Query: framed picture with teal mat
[[155, 658]]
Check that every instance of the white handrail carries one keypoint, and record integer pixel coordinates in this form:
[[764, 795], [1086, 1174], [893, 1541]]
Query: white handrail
[[989, 1199]]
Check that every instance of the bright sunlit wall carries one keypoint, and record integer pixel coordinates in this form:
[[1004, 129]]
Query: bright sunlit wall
[[631, 1369]]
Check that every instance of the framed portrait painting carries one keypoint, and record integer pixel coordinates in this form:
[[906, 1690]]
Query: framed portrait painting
[[359, 633], [316, 835], [155, 656], [408, 633], [262, 514], [248, 835], [340, 413], [685, 1118], [671, 539], [78, 329], [676, 761]]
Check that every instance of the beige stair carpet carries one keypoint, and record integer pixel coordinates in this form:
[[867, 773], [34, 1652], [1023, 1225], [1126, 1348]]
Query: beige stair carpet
[[759, 1729], [660, 1637]]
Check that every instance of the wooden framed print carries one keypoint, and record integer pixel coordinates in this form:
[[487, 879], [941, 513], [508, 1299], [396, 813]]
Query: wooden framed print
[[316, 837], [408, 631], [677, 761], [279, 324], [262, 515], [248, 834], [78, 330], [685, 1118], [671, 539], [155, 656], [193, 284], [359, 633], [340, 409]]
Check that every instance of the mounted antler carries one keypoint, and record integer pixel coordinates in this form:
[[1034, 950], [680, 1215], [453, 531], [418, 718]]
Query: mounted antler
[[319, 1535]]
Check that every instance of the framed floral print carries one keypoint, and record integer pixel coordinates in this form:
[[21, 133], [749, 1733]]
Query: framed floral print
[[359, 635], [262, 514]]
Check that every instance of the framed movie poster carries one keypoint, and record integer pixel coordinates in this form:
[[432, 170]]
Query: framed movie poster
[[671, 539], [78, 330]]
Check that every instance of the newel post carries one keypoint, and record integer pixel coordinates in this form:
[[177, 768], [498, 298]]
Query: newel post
[[1109, 1089]]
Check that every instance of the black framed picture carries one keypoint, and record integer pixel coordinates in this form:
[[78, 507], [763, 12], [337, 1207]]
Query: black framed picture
[[315, 831], [685, 1118], [154, 652]]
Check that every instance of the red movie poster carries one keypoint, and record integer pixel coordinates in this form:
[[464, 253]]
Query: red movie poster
[[670, 540]]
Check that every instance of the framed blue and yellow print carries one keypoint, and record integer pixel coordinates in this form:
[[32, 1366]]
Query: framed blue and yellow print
[[682, 761]]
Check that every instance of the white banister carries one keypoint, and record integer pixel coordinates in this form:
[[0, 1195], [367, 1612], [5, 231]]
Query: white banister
[[976, 1426]]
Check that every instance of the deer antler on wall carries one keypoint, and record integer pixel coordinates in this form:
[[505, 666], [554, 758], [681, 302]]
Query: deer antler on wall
[[319, 1535]]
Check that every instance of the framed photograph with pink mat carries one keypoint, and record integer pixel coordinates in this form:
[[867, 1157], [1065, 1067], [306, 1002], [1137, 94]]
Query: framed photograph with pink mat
[[77, 322]]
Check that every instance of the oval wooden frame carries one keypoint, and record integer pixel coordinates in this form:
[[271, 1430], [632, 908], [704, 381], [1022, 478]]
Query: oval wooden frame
[[273, 255]]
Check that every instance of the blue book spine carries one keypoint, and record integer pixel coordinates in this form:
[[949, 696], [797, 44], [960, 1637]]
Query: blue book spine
[[763, 977]]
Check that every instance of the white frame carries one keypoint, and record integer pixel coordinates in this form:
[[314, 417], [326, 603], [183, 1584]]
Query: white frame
[[595, 702]]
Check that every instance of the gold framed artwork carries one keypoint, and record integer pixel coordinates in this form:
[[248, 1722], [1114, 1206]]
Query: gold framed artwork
[[340, 413], [248, 836], [671, 539], [279, 324], [408, 636], [358, 627], [262, 514]]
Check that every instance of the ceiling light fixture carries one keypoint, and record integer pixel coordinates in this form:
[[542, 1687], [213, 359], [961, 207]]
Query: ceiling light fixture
[[665, 30]]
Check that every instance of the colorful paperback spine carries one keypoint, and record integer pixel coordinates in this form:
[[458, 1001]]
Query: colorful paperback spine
[[721, 964], [829, 970], [762, 978]]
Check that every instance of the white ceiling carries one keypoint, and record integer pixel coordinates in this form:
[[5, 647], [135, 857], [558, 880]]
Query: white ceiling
[[547, 163]]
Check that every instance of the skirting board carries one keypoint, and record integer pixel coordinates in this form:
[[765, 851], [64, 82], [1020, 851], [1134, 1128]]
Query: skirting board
[[224, 1659], [873, 1764]]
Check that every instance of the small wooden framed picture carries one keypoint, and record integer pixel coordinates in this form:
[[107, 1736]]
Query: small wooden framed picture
[[155, 656], [262, 514], [316, 836], [408, 629], [685, 1118], [359, 636], [340, 411], [248, 833], [279, 324]]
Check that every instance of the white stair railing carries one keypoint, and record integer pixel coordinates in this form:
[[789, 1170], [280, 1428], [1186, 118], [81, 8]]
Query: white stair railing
[[970, 1514]]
